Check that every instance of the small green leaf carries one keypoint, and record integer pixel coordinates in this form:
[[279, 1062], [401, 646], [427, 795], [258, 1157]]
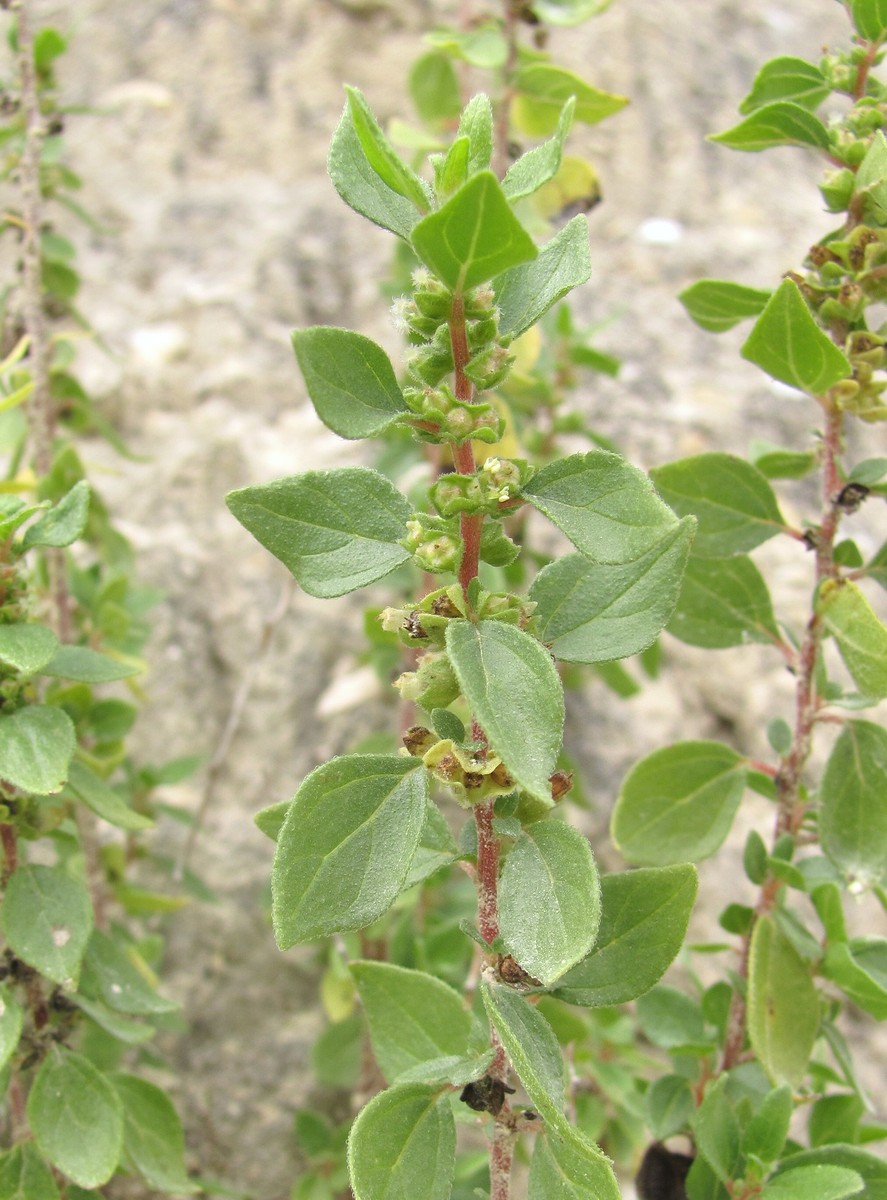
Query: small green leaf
[[718, 305], [787, 78], [451, 169], [835, 1118], [514, 692], [643, 923], [789, 345], [27, 647], [350, 380], [543, 89], [131, 1033], [36, 747], [482, 45], [596, 612], [152, 1135], [86, 665], [11, 1020], [362, 189], [474, 237], [870, 18], [566, 1166], [120, 976], [436, 847], [532, 1048], [549, 900], [476, 124], [776, 463], [678, 803], [781, 123], [669, 1103], [76, 1118], [670, 1018], [871, 178], [568, 12], [346, 845], [723, 602], [872, 1170], [859, 968], [47, 919], [716, 1130], [606, 507], [64, 523], [783, 1005], [25, 1176], [853, 803], [861, 637], [413, 1017], [381, 155], [434, 88], [270, 820], [335, 531], [13, 512], [402, 1144], [104, 801], [540, 164], [732, 501], [816, 1182], [527, 292], [764, 1135]]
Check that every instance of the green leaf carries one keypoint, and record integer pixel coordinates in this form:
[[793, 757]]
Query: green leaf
[[532, 1048], [474, 236], [25, 1176], [152, 1135], [540, 164], [568, 12], [816, 1182], [732, 501], [434, 88], [669, 1103], [513, 690], [835, 1118], [76, 1118], [781, 123], [853, 803], [670, 1018], [413, 1017], [335, 531], [776, 463], [346, 845], [542, 90], [362, 189], [381, 155], [85, 665], [549, 900], [764, 1135], [787, 78], [476, 124], [403, 1144], [566, 1166], [436, 847], [870, 18], [270, 820], [64, 523], [861, 637], [872, 1170], [718, 305], [871, 177], [723, 602], [11, 1020], [13, 512], [47, 919], [643, 923], [350, 380], [36, 747], [859, 968], [783, 1005], [121, 977], [131, 1033], [483, 45], [606, 507], [27, 647], [596, 612], [527, 292], [788, 344], [451, 169], [104, 801], [716, 1130], [678, 803]]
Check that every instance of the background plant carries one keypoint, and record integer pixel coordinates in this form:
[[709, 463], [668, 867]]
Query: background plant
[[79, 990]]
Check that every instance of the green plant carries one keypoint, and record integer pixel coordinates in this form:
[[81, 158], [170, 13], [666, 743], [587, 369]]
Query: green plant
[[78, 994]]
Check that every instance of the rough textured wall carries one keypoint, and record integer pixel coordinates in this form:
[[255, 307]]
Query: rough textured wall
[[208, 171]]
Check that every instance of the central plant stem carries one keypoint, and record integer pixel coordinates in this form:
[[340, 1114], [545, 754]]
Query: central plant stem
[[463, 454]]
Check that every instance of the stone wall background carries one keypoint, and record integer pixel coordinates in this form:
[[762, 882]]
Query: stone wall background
[[208, 171]]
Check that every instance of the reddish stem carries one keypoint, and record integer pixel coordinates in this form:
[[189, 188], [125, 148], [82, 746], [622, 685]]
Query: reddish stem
[[10, 850], [487, 873]]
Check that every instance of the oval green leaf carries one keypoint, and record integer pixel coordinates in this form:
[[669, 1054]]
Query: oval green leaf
[[527, 292], [345, 848], [717, 305], [870, 18], [36, 747], [853, 802], [114, 970], [47, 920], [531, 1047], [335, 531], [403, 1143], [103, 800], [780, 123], [85, 665], [566, 1166], [542, 91], [789, 345], [27, 647], [355, 179], [677, 804], [549, 900], [25, 1176], [861, 637], [64, 523], [723, 602], [787, 78], [596, 612], [76, 1118], [350, 380], [819, 1181], [513, 690], [783, 1005], [152, 1135], [644, 916]]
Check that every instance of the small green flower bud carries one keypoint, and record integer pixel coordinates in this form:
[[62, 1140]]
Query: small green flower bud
[[440, 554], [836, 189], [481, 333]]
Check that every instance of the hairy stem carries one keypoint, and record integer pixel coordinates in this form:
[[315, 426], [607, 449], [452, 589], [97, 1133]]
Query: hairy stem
[[487, 873], [463, 454]]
